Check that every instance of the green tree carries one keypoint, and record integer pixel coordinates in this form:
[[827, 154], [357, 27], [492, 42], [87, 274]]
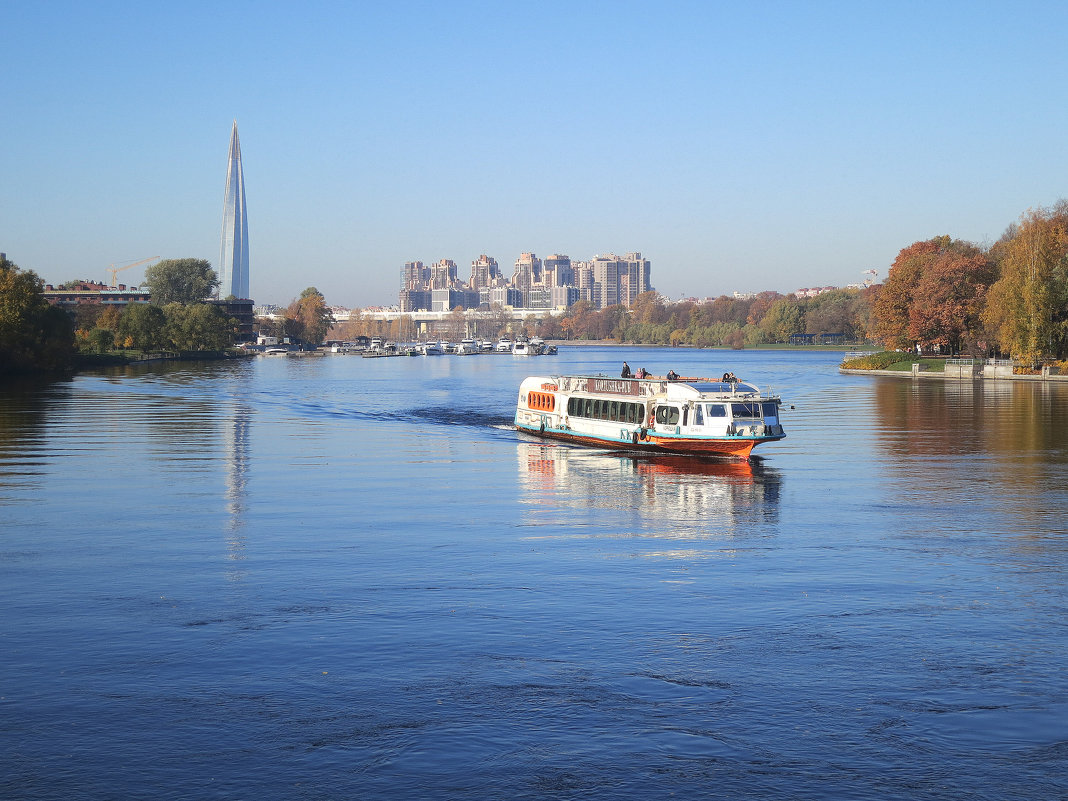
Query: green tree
[[34, 336], [198, 327], [310, 315], [830, 313], [145, 325], [783, 319], [180, 281], [101, 340]]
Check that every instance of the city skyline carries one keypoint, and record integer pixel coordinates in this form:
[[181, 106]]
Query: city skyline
[[740, 148], [552, 283]]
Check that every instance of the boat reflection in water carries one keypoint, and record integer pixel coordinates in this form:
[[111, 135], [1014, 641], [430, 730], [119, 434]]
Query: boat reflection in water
[[676, 497]]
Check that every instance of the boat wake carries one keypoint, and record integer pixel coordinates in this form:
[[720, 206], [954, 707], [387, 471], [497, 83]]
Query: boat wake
[[450, 416]]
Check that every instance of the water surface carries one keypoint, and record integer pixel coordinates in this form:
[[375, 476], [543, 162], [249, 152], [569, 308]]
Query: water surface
[[349, 578]]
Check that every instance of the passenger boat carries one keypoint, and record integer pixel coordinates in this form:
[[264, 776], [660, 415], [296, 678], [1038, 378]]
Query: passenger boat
[[695, 416]]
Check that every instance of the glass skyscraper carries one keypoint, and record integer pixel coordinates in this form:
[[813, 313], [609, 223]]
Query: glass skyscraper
[[233, 257]]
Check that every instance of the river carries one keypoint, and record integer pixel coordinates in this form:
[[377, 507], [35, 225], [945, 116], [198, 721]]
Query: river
[[336, 578]]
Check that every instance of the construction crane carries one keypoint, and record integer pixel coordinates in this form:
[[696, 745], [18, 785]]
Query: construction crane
[[116, 270]]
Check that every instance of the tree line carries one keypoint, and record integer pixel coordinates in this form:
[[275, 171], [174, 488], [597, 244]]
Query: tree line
[[941, 295], [38, 337]]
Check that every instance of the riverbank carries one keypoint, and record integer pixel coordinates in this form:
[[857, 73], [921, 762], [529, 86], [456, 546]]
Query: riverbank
[[93, 361], [953, 376]]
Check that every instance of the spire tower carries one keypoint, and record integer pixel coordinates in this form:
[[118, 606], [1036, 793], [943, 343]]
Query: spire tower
[[233, 257]]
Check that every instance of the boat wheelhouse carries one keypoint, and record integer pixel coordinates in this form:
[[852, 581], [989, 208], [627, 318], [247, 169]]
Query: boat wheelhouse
[[696, 416]]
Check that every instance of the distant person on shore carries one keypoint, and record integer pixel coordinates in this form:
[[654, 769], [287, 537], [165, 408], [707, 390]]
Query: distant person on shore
[[626, 371]]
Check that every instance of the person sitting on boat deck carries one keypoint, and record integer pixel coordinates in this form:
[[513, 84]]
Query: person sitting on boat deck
[[642, 373], [672, 375], [626, 371], [729, 378]]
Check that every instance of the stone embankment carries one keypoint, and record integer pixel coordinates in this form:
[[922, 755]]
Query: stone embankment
[[965, 370]]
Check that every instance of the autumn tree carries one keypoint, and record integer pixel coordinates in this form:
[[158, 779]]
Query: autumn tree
[[1027, 307], [948, 299], [180, 281], [893, 303], [308, 317]]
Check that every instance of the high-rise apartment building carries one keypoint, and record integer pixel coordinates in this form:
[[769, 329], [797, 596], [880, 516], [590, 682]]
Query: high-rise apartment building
[[414, 276], [634, 277], [443, 275], [233, 256], [527, 272], [557, 271], [485, 272]]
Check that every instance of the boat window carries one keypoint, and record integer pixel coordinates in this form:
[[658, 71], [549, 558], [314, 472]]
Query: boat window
[[746, 410], [698, 415], [667, 415], [588, 411], [716, 410], [614, 413], [771, 412]]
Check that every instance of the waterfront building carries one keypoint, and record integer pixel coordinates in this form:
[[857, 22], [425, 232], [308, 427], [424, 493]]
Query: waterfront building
[[564, 297], [412, 300], [233, 257], [538, 297], [449, 299], [94, 293], [504, 296]]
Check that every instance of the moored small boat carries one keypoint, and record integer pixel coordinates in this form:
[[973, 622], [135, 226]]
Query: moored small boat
[[694, 416]]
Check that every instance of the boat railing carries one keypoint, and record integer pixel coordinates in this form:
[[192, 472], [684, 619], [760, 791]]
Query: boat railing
[[650, 386]]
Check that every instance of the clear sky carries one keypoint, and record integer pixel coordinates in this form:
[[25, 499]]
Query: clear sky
[[737, 146]]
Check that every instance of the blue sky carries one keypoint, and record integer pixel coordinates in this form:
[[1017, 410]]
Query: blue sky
[[737, 146]]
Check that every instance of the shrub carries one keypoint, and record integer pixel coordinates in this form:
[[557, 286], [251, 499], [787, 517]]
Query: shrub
[[878, 361]]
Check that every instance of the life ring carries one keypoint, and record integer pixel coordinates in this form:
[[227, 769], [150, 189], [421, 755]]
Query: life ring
[[652, 419]]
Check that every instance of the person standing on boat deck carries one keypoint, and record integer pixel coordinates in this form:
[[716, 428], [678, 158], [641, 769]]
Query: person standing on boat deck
[[626, 371]]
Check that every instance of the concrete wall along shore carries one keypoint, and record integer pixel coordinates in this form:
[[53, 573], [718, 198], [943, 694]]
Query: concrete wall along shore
[[967, 369]]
